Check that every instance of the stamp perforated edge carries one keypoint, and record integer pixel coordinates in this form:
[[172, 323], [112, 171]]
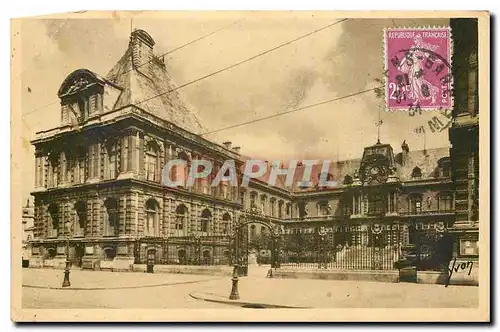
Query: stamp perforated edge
[[386, 67]]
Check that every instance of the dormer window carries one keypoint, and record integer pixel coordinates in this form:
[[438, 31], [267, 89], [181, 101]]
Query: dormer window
[[416, 173], [348, 179], [444, 167], [81, 95]]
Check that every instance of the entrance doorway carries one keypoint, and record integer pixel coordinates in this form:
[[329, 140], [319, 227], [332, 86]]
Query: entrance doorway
[[79, 253], [247, 242]]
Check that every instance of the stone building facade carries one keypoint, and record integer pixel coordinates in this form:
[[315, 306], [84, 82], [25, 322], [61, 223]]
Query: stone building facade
[[464, 137], [28, 217], [99, 191]]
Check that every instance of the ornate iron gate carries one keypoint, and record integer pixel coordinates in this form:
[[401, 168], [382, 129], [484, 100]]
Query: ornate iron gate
[[358, 247], [430, 246]]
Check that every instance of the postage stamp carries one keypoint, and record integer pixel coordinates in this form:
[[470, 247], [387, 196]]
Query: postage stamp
[[418, 68], [193, 166]]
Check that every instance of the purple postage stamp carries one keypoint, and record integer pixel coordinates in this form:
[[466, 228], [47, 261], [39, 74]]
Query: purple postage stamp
[[418, 68]]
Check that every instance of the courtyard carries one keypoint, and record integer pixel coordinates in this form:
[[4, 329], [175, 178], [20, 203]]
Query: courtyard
[[127, 290]]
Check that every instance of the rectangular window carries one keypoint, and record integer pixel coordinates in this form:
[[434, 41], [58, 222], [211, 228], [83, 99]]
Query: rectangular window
[[151, 166], [445, 202], [376, 204], [253, 204], [416, 205], [112, 161], [364, 202], [54, 178], [94, 160], [81, 170], [179, 222], [392, 199], [472, 92], [356, 204], [242, 199]]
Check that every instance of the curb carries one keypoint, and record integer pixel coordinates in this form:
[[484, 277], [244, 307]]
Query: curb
[[257, 305], [113, 288]]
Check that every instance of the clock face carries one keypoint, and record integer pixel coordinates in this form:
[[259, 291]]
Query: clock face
[[375, 174]]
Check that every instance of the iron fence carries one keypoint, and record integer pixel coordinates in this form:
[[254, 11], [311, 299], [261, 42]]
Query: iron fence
[[353, 247], [186, 250], [343, 247]]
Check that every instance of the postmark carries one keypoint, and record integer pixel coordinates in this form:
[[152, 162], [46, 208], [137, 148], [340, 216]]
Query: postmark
[[418, 66]]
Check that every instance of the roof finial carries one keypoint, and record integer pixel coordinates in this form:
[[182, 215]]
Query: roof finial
[[378, 124]]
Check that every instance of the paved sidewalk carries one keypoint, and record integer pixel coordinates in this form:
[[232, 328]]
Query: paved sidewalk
[[305, 293], [97, 280]]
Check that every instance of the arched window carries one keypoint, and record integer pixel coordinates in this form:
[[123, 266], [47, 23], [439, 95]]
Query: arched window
[[302, 209], [273, 206], [152, 218], [288, 209], [206, 218], [263, 200], [205, 257], [51, 253], [243, 199], [111, 224], [180, 220], [253, 200], [181, 256], [416, 173], [81, 218], [180, 172], [280, 209], [226, 220], [109, 254], [53, 210], [323, 208], [152, 160]]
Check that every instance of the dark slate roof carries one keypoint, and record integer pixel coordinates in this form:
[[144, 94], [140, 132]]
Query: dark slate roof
[[138, 87], [427, 161]]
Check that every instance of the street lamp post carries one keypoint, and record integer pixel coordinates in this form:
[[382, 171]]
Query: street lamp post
[[234, 280], [66, 282], [234, 289]]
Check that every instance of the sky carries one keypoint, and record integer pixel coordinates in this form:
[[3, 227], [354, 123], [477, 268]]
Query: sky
[[340, 60]]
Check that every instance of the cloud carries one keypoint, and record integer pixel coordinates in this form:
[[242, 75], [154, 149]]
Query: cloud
[[332, 63]]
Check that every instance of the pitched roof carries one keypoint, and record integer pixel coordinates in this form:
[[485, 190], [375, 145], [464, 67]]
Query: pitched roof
[[427, 161], [149, 86]]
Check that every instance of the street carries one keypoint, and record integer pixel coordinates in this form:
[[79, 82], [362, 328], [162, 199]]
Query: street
[[112, 290], [126, 290]]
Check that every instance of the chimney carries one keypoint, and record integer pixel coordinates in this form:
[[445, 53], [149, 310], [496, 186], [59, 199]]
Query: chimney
[[227, 145], [404, 154], [237, 149], [141, 45]]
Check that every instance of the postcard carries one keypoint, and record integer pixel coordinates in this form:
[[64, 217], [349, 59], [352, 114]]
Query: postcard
[[195, 166]]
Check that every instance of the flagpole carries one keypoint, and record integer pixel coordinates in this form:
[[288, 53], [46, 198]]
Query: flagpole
[[379, 124]]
